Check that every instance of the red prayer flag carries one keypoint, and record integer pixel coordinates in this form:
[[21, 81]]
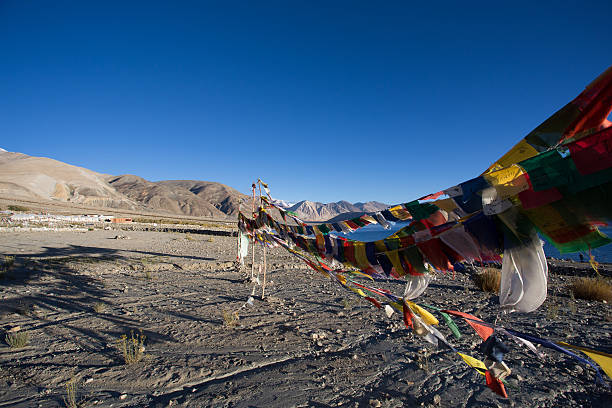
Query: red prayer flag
[[495, 385], [407, 315], [373, 301], [593, 153], [483, 331], [533, 199]]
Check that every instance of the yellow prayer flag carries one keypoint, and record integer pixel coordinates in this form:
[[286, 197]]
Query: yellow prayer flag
[[603, 359], [507, 181], [362, 274], [369, 218], [521, 151], [395, 261], [474, 363], [397, 306], [504, 176], [380, 245], [358, 291], [425, 315], [360, 255], [446, 204], [400, 212]]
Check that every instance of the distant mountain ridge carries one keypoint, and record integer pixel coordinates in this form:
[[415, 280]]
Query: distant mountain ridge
[[315, 211], [43, 179]]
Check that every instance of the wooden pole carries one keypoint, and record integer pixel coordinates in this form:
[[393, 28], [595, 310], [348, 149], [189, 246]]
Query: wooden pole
[[238, 235], [253, 252], [263, 288]]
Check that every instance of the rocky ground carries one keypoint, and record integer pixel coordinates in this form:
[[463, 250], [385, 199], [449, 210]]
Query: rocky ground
[[309, 343]]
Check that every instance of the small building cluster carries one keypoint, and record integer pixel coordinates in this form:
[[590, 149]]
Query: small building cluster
[[10, 218]]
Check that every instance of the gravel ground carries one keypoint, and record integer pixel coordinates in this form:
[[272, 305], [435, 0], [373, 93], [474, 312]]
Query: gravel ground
[[308, 343]]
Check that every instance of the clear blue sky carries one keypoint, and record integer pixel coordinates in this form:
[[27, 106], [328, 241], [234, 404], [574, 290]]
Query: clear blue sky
[[324, 100]]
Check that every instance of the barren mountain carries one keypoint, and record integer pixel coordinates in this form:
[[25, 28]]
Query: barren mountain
[[42, 179], [372, 206], [224, 198], [159, 196], [315, 211]]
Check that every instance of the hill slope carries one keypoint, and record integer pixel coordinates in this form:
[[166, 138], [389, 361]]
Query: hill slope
[[165, 197], [222, 197], [41, 178]]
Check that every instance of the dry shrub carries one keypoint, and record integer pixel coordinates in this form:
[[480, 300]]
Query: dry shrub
[[99, 307], [423, 359], [552, 311], [17, 340], [70, 400], [230, 319], [488, 280], [6, 266], [9, 261], [592, 289], [348, 304], [132, 348]]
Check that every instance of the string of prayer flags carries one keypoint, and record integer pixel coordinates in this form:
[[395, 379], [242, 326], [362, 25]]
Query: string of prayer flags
[[555, 183]]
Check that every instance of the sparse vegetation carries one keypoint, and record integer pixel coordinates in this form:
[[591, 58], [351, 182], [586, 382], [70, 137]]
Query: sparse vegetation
[[70, 400], [99, 307], [423, 359], [146, 262], [18, 208], [210, 239], [17, 340], [488, 280], [230, 319], [6, 266], [552, 310], [132, 348], [592, 289], [9, 261], [25, 308], [572, 304], [348, 304], [189, 237]]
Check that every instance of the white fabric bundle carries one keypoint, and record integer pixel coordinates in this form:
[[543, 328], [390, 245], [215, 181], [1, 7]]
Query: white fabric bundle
[[524, 277], [243, 242], [415, 285]]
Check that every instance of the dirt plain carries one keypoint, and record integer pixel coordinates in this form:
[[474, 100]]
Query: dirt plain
[[308, 343]]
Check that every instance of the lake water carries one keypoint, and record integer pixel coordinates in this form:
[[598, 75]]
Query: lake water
[[375, 232]]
